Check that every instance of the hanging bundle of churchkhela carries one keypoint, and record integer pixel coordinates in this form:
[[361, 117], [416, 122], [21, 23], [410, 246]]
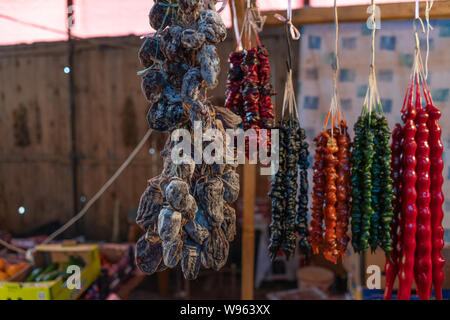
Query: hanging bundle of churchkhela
[[331, 178], [417, 173], [185, 211], [248, 90], [331, 194], [289, 189], [372, 192]]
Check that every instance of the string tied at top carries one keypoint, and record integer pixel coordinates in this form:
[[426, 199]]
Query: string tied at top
[[294, 32]]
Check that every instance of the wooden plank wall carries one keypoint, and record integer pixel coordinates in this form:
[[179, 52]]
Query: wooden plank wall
[[35, 159]]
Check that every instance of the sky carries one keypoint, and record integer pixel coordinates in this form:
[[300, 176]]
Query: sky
[[27, 21]]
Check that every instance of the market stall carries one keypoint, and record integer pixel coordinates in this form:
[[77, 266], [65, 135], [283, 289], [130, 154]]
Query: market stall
[[355, 176]]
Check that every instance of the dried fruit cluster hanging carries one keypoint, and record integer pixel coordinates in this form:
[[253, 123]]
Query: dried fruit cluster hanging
[[290, 205], [331, 193], [248, 90], [331, 178], [185, 211], [372, 192], [289, 188], [417, 173]]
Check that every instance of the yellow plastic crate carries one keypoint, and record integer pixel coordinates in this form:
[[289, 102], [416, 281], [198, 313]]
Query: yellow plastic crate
[[56, 289]]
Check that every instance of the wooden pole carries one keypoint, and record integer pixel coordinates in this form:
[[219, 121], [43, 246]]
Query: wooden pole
[[248, 192], [248, 232], [73, 124]]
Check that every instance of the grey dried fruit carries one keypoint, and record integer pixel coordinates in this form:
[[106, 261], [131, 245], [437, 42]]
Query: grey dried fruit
[[153, 85], [176, 194], [218, 168], [229, 119], [180, 62], [172, 251], [175, 72], [212, 26], [191, 208], [209, 193], [229, 222], [148, 254], [183, 170], [205, 257], [192, 81], [196, 232], [192, 39], [169, 224], [199, 112], [217, 248], [164, 116], [231, 186], [149, 52], [189, 10], [209, 64], [149, 206], [171, 43], [156, 15], [190, 262]]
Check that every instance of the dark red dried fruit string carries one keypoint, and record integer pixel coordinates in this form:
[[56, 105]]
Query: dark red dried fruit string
[[248, 91], [266, 114], [234, 81]]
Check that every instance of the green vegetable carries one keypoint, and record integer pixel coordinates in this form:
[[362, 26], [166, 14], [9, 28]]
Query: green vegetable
[[76, 261], [36, 272], [52, 267], [51, 275]]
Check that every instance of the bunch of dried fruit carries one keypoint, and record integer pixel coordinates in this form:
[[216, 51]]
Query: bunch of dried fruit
[[289, 213], [185, 210], [331, 193]]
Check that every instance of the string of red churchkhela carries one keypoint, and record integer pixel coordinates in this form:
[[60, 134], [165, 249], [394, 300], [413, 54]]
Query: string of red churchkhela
[[417, 173]]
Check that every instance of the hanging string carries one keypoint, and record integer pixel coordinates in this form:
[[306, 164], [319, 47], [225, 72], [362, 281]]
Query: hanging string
[[374, 96], [289, 101], [12, 247], [99, 193], [295, 34], [170, 7], [334, 111], [223, 6], [429, 4], [372, 46], [236, 27], [253, 24], [89, 204], [335, 101]]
